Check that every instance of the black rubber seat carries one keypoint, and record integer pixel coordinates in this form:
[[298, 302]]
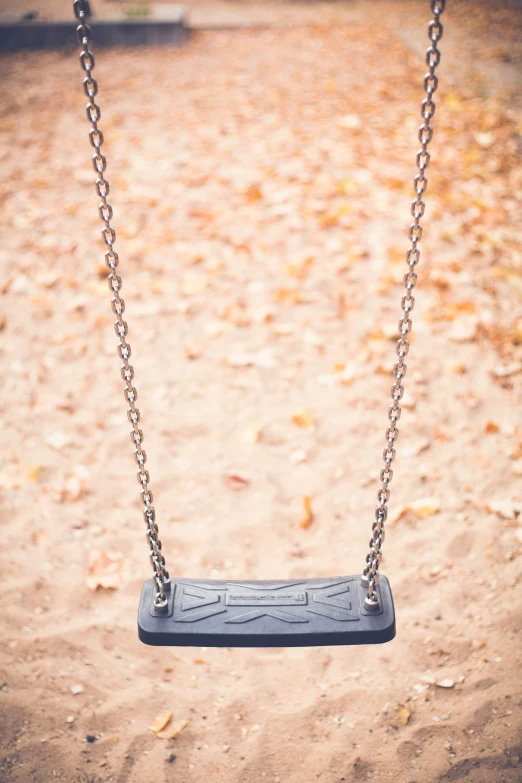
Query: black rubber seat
[[286, 613]]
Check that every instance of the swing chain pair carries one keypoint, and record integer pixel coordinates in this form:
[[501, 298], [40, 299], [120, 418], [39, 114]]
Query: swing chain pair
[[99, 162], [370, 577]]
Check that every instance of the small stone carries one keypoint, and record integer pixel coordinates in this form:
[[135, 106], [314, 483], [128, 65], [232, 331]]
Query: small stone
[[90, 738], [446, 683]]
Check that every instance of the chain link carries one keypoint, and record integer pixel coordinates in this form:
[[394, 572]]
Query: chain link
[[99, 162], [370, 577]]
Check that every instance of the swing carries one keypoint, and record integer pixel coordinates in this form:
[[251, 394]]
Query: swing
[[341, 610]]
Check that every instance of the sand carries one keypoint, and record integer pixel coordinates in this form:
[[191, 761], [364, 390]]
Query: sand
[[261, 183]]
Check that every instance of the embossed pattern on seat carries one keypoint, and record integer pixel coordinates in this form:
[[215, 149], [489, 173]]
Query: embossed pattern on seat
[[266, 613]]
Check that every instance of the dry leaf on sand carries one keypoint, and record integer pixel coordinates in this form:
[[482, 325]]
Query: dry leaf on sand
[[236, 482], [192, 350], [160, 721], [419, 509], [505, 509], [309, 516], [105, 571], [304, 419], [172, 729], [425, 508], [403, 713], [253, 193]]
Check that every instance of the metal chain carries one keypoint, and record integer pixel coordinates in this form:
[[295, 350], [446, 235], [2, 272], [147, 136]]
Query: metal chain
[[370, 577], [99, 162]]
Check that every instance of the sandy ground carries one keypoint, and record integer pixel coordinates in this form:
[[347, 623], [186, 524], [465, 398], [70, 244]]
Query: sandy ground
[[261, 187]]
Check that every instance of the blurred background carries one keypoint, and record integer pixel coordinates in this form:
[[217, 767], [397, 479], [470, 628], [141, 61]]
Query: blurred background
[[261, 165]]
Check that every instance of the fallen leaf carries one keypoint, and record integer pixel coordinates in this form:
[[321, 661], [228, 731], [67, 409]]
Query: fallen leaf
[[349, 373], [290, 295], [237, 314], [403, 713], [236, 482], [49, 278], [34, 472], [253, 193], [505, 509], [160, 721], [419, 508], [309, 516], [192, 350], [301, 268], [491, 427], [304, 418], [105, 571], [456, 368], [425, 508], [173, 729]]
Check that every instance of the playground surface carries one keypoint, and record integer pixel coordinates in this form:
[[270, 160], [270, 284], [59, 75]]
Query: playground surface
[[261, 182]]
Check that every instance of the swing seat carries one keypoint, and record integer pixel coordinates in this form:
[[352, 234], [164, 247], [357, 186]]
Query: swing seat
[[266, 613]]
